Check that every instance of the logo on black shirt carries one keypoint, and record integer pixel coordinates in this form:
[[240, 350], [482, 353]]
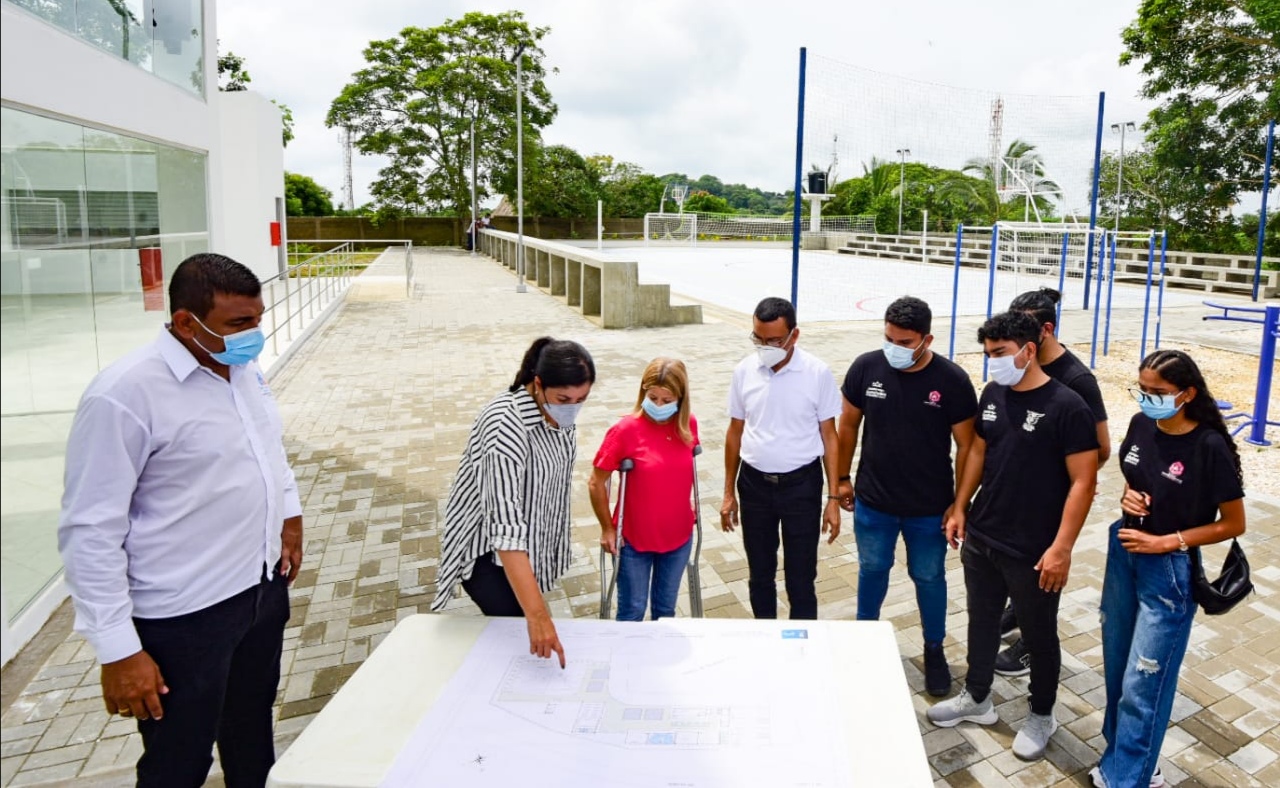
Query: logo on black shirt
[[876, 390], [1174, 474], [1032, 419], [1132, 457], [990, 413], [935, 399]]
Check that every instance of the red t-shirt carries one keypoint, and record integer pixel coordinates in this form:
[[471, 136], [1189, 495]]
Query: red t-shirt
[[660, 488]]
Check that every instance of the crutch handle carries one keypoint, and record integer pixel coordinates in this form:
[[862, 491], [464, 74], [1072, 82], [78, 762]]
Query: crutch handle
[[627, 465]]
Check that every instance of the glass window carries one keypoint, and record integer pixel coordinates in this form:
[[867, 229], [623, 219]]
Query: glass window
[[165, 37], [93, 223]]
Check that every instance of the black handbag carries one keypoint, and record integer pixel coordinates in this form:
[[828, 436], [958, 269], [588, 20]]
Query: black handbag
[[1232, 586]]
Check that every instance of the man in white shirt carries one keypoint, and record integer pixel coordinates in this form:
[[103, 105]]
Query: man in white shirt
[[781, 441], [181, 530]]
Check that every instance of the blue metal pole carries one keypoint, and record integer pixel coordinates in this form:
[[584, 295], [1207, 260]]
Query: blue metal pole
[[991, 283], [1062, 283], [1093, 200], [955, 291], [1164, 245], [1266, 367], [1262, 213], [1146, 295], [1111, 286], [1097, 308], [795, 220]]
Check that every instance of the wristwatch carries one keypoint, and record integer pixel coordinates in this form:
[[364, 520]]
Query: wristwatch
[[1182, 543]]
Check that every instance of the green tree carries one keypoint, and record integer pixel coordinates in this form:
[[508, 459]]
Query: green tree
[[304, 197], [705, 202], [626, 189], [1214, 66], [560, 183], [416, 98]]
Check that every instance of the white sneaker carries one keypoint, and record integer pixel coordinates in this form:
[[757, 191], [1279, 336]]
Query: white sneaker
[[1095, 775], [1033, 738], [963, 708]]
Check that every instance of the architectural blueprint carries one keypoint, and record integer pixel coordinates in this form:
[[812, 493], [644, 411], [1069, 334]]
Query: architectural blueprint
[[694, 704]]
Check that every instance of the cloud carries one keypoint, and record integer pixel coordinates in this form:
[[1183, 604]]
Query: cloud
[[705, 87]]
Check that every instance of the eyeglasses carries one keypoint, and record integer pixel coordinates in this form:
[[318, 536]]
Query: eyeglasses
[[757, 341], [1141, 396]]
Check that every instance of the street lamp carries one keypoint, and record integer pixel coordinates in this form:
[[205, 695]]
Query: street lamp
[[519, 57], [903, 153], [1121, 128]]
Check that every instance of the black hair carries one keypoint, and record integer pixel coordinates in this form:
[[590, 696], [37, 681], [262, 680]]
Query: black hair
[[1041, 304], [770, 309], [1178, 369], [556, 362], [910, 313], [1018, 326], [201, 275]]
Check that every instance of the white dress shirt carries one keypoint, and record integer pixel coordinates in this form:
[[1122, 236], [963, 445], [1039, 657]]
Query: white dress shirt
[[177, 488], [782, 411]]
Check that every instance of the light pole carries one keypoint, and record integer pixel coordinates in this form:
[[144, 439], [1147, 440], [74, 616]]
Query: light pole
[[474, 212], [1128, 125], [519, 57], [903, 153]]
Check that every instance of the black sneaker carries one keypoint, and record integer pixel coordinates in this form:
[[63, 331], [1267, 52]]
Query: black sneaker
[[937, 673], [1008, 620], [1014, 661]]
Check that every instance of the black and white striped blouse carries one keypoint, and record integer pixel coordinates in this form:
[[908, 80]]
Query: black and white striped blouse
[[511, 493]]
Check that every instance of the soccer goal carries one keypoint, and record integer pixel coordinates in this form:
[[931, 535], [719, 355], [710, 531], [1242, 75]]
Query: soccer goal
[[693, 227]]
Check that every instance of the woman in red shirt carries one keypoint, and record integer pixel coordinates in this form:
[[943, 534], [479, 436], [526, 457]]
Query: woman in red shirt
[[658, 437]]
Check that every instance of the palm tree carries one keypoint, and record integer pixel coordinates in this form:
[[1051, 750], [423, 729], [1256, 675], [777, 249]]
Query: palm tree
[[1020, 171]]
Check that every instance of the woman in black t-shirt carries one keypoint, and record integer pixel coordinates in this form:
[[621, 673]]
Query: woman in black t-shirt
[[1183, 488]]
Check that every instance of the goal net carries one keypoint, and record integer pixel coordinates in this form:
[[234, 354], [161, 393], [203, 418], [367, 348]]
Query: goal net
[[710, 227]]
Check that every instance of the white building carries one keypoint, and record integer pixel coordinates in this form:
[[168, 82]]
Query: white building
[[118, 158]]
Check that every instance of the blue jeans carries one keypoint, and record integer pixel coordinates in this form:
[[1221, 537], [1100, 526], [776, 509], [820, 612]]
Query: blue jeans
[[877, 535], [650, 579], [1147, 611]]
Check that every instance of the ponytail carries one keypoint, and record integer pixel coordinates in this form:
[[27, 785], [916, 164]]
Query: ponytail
[[558, 362]]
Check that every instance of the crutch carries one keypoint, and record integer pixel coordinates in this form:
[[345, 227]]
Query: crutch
[[606, 589], [695, 584]]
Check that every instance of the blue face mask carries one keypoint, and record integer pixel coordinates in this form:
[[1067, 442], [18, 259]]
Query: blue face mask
[[1159, 406], [565, 415], [239, 348], [659, 413], [900, 357]]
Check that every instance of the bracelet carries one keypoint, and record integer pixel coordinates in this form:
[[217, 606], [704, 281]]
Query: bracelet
[[845, 478], [833, 497], [1182, 543]]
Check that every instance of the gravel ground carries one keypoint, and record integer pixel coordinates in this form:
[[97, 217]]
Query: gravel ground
[[1232, 377]]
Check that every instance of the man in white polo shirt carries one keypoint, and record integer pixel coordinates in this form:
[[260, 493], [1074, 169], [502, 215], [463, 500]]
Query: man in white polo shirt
[[781, 442]]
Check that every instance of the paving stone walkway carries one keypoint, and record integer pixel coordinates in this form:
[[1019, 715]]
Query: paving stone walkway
[[377, 406]]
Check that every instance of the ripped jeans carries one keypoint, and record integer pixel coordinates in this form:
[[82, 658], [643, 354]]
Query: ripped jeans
[[1147, 612]]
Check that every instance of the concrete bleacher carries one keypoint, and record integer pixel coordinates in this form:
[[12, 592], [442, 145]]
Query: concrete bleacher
[[604, 289], [1211, 273]]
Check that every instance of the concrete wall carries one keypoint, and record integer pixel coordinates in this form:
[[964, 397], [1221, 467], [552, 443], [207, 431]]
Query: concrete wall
[[252, 178], [606, 289], [445, 231]]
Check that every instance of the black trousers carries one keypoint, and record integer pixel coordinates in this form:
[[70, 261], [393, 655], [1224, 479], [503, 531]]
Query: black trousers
[[222, 667], [990, 577], [794, 502], [489, 588]]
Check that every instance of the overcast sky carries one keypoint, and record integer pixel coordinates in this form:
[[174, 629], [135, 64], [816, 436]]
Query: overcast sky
[[706, 87]]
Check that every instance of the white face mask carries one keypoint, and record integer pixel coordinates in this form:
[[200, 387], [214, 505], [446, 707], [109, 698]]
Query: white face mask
[[1004, 369], [565, 415], [771, 356]]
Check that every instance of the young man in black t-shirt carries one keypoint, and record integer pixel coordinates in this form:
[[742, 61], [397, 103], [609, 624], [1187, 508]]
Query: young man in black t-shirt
[[911, 404], [1062, 365], [1036, 456]]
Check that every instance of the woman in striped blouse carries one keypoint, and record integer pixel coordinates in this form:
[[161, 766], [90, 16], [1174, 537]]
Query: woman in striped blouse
[[506, 527]]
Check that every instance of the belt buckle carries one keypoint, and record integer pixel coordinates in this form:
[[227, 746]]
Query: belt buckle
[[771, 478]]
